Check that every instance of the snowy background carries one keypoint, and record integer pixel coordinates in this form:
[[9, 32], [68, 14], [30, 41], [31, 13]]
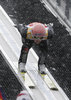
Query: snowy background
[[59, 48]]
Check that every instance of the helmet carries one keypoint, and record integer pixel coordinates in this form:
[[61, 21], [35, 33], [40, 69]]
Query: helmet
[[23, 95], [38, 31]]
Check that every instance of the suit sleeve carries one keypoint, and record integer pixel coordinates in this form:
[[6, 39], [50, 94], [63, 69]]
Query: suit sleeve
[[23, 30], [50, 32]]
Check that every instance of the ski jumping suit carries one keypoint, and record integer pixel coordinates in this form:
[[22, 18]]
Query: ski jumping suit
[[28, 43]]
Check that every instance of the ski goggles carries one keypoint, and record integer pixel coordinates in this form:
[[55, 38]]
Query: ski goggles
[[39, 38], [36, 37]]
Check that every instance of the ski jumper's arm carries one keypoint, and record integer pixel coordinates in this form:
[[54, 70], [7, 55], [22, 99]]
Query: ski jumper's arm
[[26, 43], [50, 31]]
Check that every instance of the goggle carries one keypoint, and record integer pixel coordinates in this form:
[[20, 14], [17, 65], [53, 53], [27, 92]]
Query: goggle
[[40, 38]]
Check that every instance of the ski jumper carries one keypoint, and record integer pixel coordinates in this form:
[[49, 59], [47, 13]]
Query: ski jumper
[[28, 42]]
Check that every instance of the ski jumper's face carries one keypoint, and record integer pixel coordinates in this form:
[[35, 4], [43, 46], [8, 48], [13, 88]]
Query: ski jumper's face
[[37, 41]]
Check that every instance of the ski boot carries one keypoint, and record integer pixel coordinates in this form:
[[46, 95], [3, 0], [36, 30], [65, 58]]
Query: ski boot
[[22, 68], [42, 69]]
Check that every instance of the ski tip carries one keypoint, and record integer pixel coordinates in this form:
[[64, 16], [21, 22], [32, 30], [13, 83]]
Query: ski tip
[[55, 89], [31, 87]]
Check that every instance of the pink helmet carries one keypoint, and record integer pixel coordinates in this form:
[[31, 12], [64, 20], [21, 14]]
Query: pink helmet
[[38, 31]]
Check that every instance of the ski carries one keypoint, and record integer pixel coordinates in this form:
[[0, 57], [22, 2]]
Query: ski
[[48, 81], [27, 80], [34, 61]]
